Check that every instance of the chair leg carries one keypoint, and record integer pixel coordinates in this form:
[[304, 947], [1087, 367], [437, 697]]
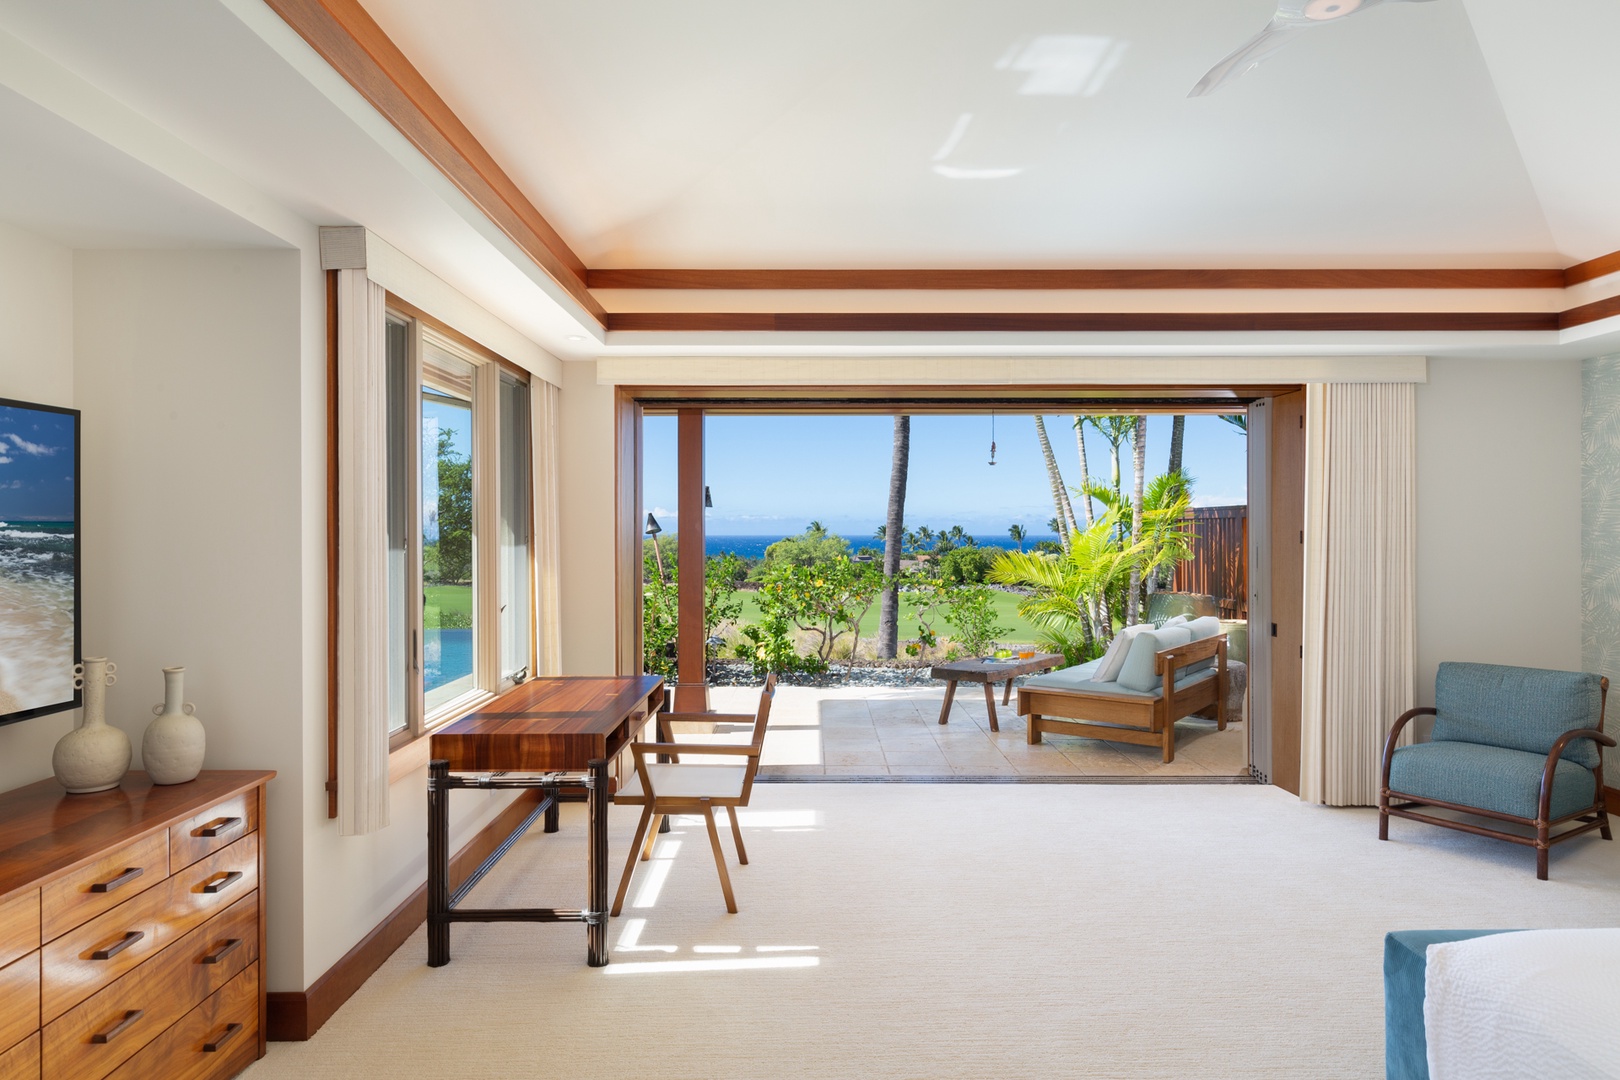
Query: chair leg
[[719, 858], [630, 863], [736, 835], [1541, 864], [652, 837]]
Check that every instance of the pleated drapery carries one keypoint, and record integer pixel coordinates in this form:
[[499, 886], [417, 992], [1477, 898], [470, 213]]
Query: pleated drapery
[[545, 406], [362, 511], [1360, 580]]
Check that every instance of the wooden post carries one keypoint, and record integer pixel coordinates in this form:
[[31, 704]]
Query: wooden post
[[692, 683]]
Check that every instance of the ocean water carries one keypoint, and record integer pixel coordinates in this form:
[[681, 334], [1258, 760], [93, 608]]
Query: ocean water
[[37, 571], [753, 547]]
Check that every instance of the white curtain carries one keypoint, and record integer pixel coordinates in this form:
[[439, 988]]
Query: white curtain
[[1360, 612], [545, 402], [362, 510]]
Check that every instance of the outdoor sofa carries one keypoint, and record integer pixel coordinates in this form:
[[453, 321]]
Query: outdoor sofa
[[1168, 674]]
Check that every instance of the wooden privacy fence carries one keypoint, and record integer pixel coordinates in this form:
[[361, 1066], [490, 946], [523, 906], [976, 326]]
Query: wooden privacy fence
[[1220, 563]]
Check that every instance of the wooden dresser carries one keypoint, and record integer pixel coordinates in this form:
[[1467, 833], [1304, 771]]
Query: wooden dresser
[[132, 929]]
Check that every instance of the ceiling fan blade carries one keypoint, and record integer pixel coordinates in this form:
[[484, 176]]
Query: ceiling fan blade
[[1246, 56]]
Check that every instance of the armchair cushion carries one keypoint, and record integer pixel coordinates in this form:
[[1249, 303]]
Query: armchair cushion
[[1489, 777], [1517, 708]]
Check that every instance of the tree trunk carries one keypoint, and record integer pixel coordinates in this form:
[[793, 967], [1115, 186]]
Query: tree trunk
[[1060, 497], [1138, 466], [893, 535], [1178, 434], [1085, 469]]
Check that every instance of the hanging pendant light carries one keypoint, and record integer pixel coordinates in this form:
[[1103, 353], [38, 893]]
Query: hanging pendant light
[[992, 438]]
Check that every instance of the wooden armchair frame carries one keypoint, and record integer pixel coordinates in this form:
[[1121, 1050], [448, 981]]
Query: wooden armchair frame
[[1592, 817], [1133, 720], [655, 806]]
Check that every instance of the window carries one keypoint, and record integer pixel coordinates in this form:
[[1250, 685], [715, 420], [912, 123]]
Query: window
[[459, 568]]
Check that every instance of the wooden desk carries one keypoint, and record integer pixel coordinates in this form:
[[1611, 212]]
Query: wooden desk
[[559, 732]]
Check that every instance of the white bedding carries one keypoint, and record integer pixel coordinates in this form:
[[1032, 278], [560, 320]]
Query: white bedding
[[1537, 1003]]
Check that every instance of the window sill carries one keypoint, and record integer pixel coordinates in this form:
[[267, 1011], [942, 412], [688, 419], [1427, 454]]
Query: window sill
[[411, 757]]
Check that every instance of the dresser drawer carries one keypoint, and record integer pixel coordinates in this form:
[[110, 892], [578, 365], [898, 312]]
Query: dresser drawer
[[218, 1038], [21, 1062], [205, 833], [85, 959], [19, 926], [19, 999], [104, 884], [139, 1006]]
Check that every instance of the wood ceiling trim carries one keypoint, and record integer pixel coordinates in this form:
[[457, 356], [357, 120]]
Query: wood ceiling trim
[[1076, 279], [1083, 322], [1592, 269], [354, 45], [1588, 313]]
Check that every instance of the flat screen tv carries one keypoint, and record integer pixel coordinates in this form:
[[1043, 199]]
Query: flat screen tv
[[39, 559]]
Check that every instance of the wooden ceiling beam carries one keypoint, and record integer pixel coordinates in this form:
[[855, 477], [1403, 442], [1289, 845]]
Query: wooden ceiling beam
[[927, 280]]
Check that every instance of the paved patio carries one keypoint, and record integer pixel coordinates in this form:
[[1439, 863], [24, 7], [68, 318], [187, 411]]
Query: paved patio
[[878, 731]]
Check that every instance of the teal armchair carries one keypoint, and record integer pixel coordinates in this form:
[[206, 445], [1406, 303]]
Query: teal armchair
[[1510, 744]]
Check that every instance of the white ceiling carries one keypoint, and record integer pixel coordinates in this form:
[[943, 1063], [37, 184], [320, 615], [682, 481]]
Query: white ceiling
[[739, 133]]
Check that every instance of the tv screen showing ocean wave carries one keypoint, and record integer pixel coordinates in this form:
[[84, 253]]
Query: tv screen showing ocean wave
[[39, 559]]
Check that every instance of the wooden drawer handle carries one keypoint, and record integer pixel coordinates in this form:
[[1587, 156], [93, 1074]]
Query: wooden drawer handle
[[231, 1031], [113, 950], [130, 874], [219, 826], [219, 885], [102, 1038], [222, 952]]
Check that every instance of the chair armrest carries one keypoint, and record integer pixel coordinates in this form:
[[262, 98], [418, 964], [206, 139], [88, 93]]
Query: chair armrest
[[1544, 806], [733, 749], [1394, 736]]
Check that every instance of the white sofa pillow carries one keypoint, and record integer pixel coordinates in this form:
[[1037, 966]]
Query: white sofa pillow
[[1114, 658]]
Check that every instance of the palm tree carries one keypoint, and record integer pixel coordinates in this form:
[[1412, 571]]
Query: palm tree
[[1239, 421], [817, 529], [893, 534], [1060, 496], [1016, 532], [1074, 591], [1116, 429], [959, 536], [1166, 533], [1085, 468], [1138, 467], [1178, 435]]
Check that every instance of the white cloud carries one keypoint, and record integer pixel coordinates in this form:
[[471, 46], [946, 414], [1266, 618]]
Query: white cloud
[[4, 460], [36, 449]]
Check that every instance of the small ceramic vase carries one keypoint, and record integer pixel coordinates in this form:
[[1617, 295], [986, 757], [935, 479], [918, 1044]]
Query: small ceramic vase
[[173, 746], [93, 756]]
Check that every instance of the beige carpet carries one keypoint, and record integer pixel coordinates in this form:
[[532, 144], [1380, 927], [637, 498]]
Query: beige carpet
[[918, 930]]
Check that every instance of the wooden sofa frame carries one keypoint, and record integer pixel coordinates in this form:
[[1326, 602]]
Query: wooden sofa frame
[[1393, 803], [1133, 720]]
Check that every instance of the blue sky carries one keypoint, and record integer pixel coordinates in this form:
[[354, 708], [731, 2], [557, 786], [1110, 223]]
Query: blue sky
[[772, 475], [36, 465]]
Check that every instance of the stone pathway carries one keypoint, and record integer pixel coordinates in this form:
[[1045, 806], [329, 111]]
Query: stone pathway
[[870, 731]]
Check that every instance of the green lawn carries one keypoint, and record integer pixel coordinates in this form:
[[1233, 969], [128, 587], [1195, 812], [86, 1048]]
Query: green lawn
[[454, 601], [1019, 630]]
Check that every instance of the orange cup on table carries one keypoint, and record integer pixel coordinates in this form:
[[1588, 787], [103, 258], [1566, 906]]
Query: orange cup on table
[[1026, 654]]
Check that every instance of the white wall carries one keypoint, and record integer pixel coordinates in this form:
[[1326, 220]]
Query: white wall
[[588, 469], [1499, 515], [36, 364]]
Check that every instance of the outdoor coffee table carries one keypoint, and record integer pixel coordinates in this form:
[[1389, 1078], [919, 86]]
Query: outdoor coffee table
[[989, 672]]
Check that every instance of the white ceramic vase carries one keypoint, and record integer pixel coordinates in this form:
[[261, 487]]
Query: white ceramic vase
[[173, 746], [93, 756]]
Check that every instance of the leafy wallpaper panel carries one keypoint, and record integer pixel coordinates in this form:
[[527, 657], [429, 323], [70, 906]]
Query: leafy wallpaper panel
[[1600, 516]]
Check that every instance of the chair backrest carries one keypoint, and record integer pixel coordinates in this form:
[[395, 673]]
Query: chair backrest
[[1517, 708], [761, 719]]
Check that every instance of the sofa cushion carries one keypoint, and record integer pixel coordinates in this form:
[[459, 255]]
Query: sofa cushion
[[1138, 673], [1489, 777], [1206, 626], [1516, 708], [1075, 678], [1114, 659]]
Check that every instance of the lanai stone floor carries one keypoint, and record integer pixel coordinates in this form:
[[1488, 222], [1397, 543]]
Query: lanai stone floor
[[875, 731]]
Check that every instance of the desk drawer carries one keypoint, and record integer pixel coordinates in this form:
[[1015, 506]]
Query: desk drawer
[[160, 991], [104, 884], [19, 999], [218, 1038], [144, 924], [205, 833], [19, 926], [21, 1062]]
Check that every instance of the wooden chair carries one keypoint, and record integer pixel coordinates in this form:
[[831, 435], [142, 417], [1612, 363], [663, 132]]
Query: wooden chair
[[688, 787], [1510, 744]]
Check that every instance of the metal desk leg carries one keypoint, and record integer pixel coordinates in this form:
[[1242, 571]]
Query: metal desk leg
[[438, 873], [553, 812], [596, 799]]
